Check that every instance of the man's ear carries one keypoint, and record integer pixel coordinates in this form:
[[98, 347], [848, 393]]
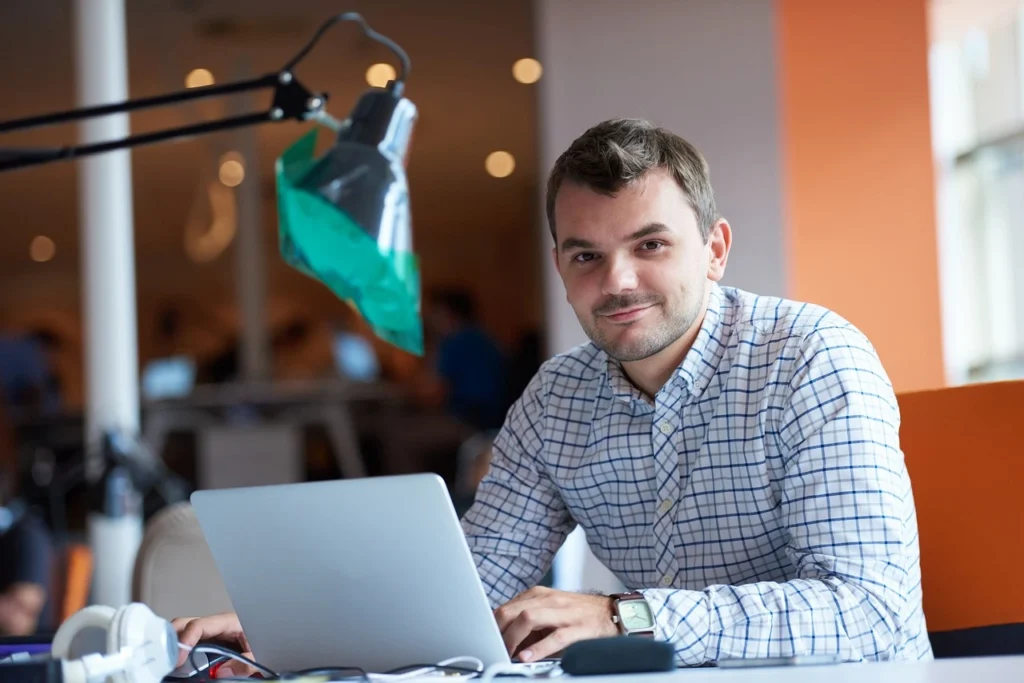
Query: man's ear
[[719, 242]]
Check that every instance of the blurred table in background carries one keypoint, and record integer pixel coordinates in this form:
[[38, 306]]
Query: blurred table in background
[[249, 434], [234, 434]]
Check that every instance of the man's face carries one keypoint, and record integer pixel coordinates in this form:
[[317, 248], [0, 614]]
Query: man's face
[[635, 266]]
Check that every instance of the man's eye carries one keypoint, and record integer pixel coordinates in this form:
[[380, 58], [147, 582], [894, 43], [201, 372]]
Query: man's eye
[[651, 246], [583, 257]]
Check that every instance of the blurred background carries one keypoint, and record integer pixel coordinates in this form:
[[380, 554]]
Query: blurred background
[[869, 156]]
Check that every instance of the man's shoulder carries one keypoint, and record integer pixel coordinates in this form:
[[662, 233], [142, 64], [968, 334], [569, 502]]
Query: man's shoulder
[[567, 374], [571, 369], [772, 318]]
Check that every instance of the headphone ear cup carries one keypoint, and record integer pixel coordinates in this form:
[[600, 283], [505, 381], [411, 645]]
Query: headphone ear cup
[[84, 632], [137, 627]]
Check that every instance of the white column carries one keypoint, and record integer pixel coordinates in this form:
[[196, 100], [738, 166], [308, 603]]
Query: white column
[[250, 255], [108, 279]]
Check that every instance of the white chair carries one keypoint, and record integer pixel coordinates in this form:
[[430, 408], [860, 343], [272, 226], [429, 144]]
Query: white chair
[[175, 574]]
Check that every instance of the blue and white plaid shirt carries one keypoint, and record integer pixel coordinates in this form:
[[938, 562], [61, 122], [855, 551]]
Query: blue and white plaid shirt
[[761, 504]]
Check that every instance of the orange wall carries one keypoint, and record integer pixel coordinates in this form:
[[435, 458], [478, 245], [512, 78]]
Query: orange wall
[[861, 235]]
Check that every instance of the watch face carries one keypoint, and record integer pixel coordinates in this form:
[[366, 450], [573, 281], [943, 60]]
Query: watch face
[[636, 615]]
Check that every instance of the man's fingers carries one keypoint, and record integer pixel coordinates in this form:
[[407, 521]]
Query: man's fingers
[[221, 627], [508, 613], [530, 620], [533, 598], [235, 669], [189, 633], [178, 623], [556, 641], [535, 592]]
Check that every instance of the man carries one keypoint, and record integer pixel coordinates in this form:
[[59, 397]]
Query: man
[[734, 459]]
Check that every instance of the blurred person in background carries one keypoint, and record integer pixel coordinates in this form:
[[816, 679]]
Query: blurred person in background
[[167, 338], [468, 373], [25, 551], [526, 359], [29, 385]]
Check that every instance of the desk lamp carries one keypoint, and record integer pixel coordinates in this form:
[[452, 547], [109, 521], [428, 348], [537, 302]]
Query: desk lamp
[[343, 218]]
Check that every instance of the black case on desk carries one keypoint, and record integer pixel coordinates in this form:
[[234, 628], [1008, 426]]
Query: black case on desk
[[618, 655], [46, 671]]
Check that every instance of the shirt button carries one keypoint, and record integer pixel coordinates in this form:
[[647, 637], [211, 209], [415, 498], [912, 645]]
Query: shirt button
[[666, 581], [665, 427], [665, 506]]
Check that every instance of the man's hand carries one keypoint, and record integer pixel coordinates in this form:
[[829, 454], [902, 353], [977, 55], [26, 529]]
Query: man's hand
[[223, 628], [540, 622]]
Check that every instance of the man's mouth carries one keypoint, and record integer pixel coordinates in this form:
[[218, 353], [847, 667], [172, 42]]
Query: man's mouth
[[628, 314]]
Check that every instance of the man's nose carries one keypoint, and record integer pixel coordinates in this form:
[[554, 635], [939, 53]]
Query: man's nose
[[620, 276]]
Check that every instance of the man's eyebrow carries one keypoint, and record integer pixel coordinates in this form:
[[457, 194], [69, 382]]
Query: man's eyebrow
[[576, 243], [646, 231]]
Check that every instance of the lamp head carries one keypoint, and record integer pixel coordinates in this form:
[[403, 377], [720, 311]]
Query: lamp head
[[345, 218]]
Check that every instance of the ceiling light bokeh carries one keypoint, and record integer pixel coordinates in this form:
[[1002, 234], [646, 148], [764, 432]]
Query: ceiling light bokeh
[[42, 249], [197, 78], [527, 70], [231, 171], [379, 74], [500, 164]]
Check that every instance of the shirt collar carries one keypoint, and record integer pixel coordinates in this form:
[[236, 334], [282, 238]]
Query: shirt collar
[[702, 360], [699, 365]]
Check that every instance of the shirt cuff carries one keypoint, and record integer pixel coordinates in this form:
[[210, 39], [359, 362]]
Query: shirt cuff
[[682, 618]]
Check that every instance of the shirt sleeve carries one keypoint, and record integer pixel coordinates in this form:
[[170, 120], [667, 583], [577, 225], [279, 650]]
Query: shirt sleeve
[[846, 502], [518, 520]]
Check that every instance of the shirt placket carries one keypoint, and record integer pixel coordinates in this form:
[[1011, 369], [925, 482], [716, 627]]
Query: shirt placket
[[664, 439]]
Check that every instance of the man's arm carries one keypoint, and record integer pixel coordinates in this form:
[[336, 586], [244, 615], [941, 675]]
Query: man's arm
[[518, 520], [846, 502]]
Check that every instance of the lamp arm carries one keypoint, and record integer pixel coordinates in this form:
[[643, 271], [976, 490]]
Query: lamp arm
[[141, 103], [291, 101]]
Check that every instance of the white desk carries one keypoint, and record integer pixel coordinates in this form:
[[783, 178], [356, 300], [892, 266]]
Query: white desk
[[968, 670]]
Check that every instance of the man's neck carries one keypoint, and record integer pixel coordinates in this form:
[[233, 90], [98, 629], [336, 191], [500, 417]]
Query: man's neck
[[650, 374]]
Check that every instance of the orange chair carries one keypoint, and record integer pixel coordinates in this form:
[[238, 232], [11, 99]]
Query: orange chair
[[72, 581], [964, 449]]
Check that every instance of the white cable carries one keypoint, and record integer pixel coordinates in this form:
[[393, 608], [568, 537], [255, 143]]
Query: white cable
[[235, 656], [539, 669], [477, 665], [495, 670], [475, 662], [408, 674], [226, 653], [453, 661]]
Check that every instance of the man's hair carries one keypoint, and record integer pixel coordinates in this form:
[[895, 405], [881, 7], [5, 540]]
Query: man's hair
[[618, 152]]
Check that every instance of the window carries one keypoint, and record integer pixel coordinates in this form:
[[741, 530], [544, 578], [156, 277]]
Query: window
[[977, 85]]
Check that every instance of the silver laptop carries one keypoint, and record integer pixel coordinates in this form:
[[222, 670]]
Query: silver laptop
[[372, 573]]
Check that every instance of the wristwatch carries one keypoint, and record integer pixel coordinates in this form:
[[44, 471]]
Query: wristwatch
[[632, 614]]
